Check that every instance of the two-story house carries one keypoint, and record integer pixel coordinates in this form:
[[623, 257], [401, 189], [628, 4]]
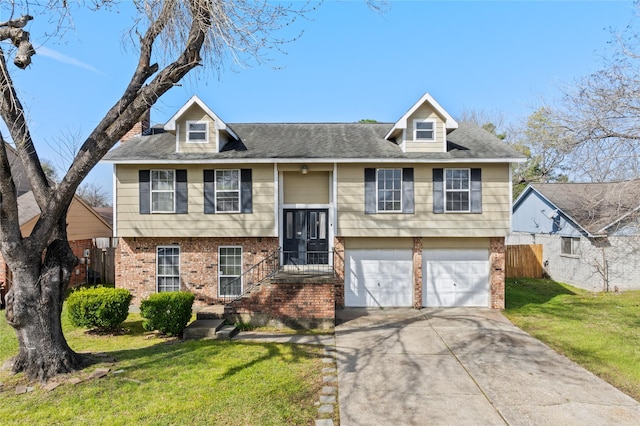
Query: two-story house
[[411, 213]]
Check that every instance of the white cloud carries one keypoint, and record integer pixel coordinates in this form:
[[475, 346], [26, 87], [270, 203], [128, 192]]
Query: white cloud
[[57, 56]]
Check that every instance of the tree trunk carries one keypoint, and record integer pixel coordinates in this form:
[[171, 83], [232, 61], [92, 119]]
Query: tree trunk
[[34, 308]]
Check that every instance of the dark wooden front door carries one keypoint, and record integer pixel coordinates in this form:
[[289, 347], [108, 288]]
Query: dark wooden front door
[[305, 237]]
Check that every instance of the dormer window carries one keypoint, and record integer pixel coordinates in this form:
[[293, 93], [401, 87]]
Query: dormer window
[[197, 132], [424, 130]]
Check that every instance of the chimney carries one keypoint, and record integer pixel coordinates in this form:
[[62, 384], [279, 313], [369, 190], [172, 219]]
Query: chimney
[[143, 124]]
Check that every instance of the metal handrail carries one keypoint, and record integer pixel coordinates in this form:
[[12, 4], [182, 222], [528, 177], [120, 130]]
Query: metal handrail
[[253, 276], [312, 263]]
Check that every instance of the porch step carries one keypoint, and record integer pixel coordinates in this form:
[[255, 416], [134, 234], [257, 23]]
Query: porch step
[[211, 312], [209, 329], [227, 332]]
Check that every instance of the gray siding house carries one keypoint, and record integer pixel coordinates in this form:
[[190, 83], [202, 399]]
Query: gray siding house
[[589, 232]]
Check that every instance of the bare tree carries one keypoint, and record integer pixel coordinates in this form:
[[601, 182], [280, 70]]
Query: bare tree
[[602, 114], [173, 37], [94, 194]]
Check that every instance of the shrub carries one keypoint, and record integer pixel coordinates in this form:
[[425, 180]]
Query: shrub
[[98, 307], [167, 312]]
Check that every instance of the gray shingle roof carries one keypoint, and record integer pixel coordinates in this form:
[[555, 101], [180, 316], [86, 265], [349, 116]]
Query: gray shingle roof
[[333, 141], [594, 206]]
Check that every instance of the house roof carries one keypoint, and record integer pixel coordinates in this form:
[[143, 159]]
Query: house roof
[[195, 100], [28, 209], [449, 122], [349, 142], [596, 207]]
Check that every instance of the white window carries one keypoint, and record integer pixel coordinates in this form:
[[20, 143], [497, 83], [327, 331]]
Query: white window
[[569, 246], [163, 184], [230, 271], [227, 191], [389, 185], [197, 132], [168, 268], [457, 187], [424, 130]]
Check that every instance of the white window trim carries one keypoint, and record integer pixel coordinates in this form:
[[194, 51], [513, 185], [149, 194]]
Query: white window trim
[[377, 192], [215, 190], [179, 265], [152, 191], [206, 131], [241, 271], [415, 130], [575, 245], [446, 191]]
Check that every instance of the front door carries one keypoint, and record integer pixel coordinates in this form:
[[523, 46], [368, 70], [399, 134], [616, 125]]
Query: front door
[[305, 237]]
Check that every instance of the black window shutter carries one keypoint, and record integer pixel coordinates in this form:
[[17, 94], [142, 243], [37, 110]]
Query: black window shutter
[[144, 183], [182, 198], [407, 190], [438, 190], [246, 191], [209, 192], [370, 198], [476, 191]]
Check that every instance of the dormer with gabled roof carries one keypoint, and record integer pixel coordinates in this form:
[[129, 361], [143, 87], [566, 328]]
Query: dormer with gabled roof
[[198, 129], [423, 128]]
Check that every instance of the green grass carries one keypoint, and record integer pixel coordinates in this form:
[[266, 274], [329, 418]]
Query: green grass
[[168, 381], [600, 331]]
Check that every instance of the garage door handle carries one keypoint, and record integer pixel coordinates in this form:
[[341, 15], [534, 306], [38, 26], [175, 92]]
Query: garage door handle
[[455, 284]]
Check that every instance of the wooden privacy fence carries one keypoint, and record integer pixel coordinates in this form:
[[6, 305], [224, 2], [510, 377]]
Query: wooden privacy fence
[[524, 261], [102, 262]]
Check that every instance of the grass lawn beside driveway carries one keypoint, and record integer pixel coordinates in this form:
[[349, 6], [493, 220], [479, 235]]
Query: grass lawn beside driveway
[[169, 381], [600, 331]]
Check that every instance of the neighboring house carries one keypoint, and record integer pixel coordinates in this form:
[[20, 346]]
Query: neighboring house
[[84, 224], [412, 213], [589, 232]]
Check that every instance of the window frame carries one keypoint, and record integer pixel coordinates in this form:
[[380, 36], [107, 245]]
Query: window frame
[[448, 191], [189, 131], [238, 190], [157, 191], [158, 275], [416, 130], [574, 244], [220, 275], [398, 190]]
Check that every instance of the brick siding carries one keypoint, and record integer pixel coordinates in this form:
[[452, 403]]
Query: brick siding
[[497, 272], [338, 267], [136, 263], [306, 304]]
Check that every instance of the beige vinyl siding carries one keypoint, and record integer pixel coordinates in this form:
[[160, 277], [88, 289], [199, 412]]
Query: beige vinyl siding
[[493, 221], [422, 113], [455, 243], [130, 223], [378, 243], [312, 188], [82, 224], [195, 113]]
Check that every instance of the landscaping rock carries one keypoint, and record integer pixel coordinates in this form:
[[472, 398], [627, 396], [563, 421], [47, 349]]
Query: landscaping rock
[[51, 386], [99, 373], [75, 380]]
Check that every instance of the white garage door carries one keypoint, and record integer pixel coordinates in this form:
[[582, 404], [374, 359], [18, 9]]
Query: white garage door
[[455, 277], [378, 278]]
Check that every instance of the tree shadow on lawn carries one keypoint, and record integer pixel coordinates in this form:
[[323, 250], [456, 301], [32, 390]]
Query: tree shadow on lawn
[[520, 292], [177, 353]]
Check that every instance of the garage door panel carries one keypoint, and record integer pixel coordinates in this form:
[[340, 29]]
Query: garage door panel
[[378, 278], [456, 277]]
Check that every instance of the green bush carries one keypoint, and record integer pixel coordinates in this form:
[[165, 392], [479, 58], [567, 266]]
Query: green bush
[[98, 307], [167, 312]]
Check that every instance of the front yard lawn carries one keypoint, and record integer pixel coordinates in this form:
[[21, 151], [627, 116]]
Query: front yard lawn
[[600, 331], [168, 381]]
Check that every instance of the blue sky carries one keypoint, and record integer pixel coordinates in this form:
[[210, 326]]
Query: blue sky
[[350, 63]]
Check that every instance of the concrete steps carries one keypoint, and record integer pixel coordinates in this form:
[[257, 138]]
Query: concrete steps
[[210, 324]]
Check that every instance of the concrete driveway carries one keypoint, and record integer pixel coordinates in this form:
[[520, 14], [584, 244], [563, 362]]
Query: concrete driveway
[[463, 367]]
